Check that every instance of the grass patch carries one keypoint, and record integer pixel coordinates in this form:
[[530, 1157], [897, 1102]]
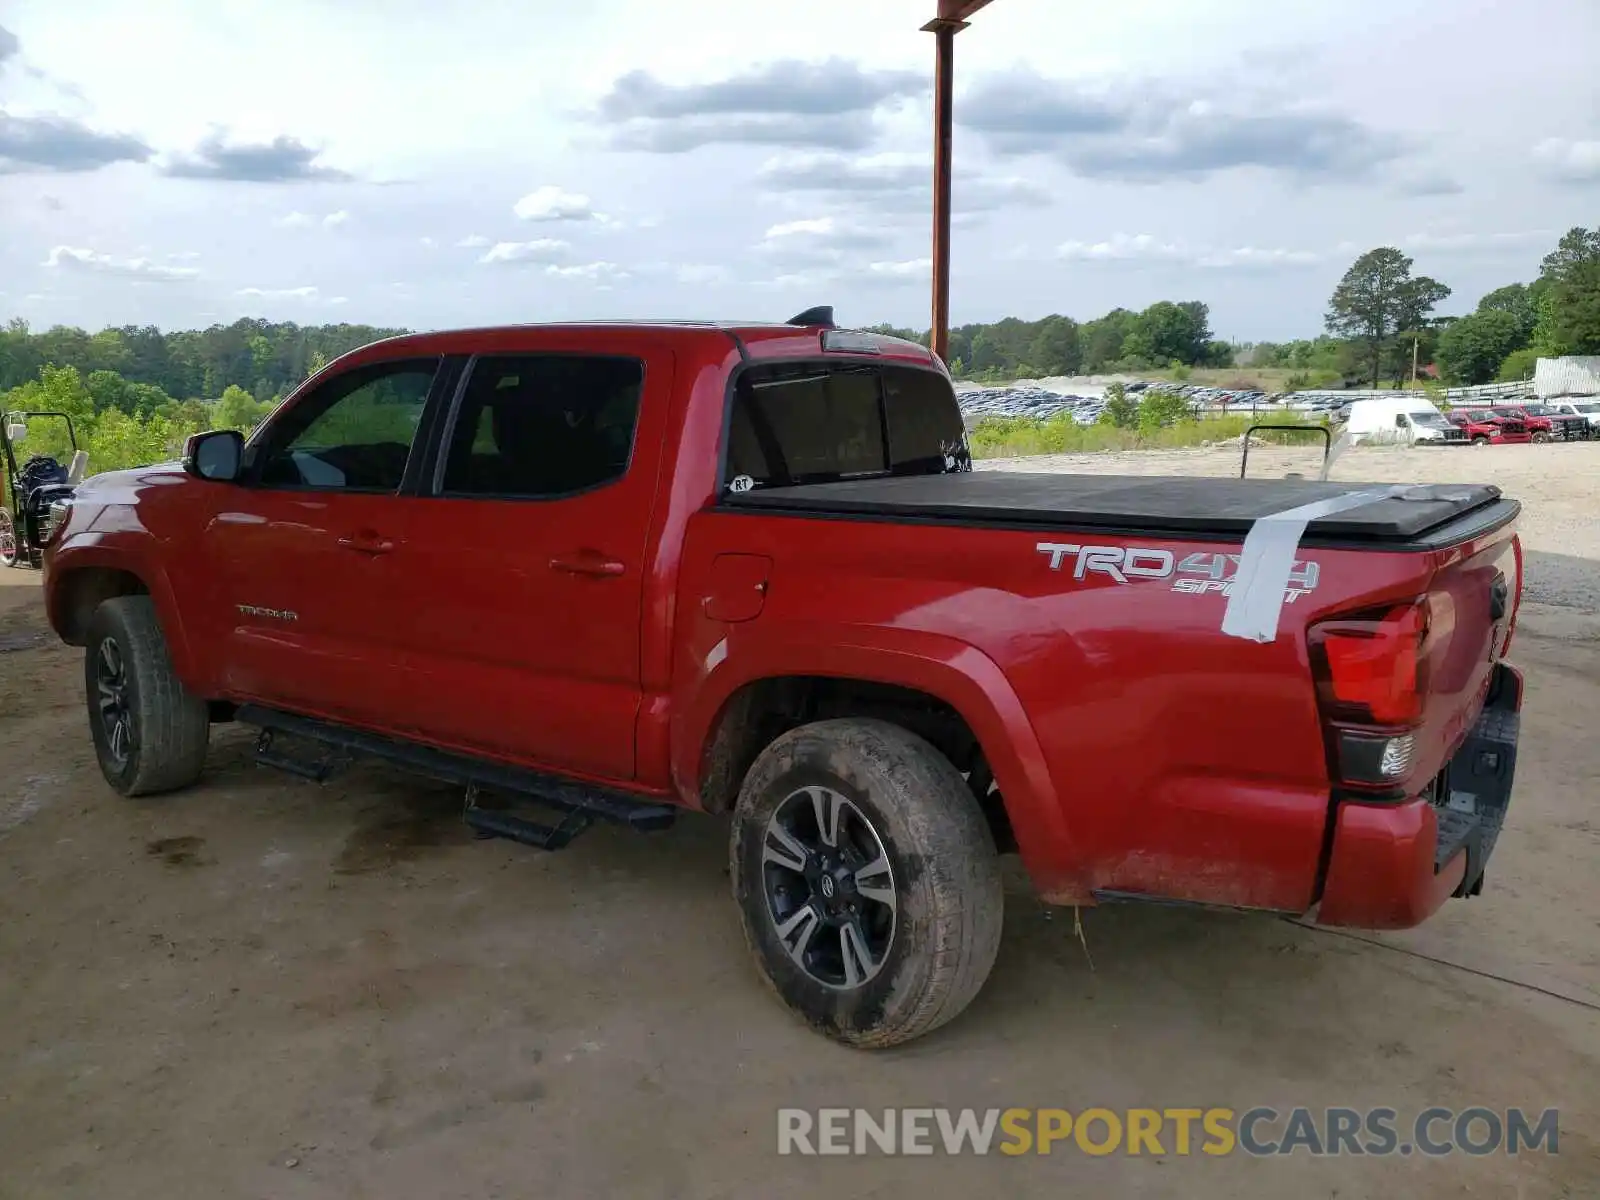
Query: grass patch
[[1012, 437]]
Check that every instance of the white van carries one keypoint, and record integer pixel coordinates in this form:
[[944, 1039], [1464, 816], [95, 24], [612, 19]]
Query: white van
[[1405, 420]]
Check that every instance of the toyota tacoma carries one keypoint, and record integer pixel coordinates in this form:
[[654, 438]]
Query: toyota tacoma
[[614, 572]]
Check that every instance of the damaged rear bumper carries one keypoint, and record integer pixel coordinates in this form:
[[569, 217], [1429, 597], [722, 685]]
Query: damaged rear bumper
[[1394, 865]]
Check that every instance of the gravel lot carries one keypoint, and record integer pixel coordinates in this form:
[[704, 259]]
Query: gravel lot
[[265, 988]]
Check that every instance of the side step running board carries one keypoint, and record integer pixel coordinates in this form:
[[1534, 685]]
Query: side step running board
[[582, 804], [492, 823]]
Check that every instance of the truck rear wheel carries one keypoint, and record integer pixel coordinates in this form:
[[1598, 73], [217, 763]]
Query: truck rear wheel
[[10, 551], [149, 733], [867, 881]]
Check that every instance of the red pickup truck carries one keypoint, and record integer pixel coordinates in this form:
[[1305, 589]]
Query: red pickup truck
[[617, 571]]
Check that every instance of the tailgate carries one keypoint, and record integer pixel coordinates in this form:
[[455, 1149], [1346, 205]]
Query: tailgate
[[1476, 592]]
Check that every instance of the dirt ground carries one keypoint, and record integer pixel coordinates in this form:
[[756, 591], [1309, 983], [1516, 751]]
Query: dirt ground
[[267, 988]]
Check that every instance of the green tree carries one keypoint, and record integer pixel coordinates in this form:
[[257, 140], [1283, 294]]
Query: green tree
[[1120, 409], [1159, 409], [108, 390], [1518, 366], [1379, 298], [1167, 332], [1103, 339], [1471, 349], [145, 398], [1569, 305], [1517, 299], [238, 409], [1056, 349]]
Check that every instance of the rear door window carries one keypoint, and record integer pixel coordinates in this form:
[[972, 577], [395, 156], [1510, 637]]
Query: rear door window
[[543, 426], [816, 422]]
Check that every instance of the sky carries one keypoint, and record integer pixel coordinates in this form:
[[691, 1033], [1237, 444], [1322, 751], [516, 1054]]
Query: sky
[[394, 162]]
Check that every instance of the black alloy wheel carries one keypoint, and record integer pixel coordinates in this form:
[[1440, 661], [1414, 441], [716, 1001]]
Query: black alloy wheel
[[830, 888], [116, 714]]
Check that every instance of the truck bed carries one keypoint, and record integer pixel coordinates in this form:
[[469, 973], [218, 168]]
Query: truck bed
[[1222, 509]]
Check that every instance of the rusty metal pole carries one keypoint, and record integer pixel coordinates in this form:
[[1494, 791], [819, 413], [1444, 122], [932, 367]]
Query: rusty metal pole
[[944, 82]]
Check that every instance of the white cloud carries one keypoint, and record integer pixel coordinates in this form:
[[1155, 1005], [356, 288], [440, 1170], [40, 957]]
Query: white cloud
[[540, 250], [769, 139], [427, 243], [830, 235], [303, 220], [1258, 256], [915, 268], [554, 204], [76, 258], [813, 227], [294, 293], [595, 272], [1147, 248], [1123, 247], [1568, 161]]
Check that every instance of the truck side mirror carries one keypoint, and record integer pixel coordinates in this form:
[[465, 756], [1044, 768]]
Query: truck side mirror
[[216, 455], [16, 432]]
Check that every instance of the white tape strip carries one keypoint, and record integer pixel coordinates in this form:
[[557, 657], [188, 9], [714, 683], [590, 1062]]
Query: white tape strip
[[1267, 558], [1340, 445]]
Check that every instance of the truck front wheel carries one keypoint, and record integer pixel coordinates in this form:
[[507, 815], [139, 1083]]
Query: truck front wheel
[[867, 881], [149, 733]]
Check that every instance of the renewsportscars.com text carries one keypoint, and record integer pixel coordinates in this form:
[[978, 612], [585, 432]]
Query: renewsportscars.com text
[[1258, 1132]]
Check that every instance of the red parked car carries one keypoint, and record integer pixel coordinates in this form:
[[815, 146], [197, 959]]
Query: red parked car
[[625, 570], [1484, 428], [1540, 428]]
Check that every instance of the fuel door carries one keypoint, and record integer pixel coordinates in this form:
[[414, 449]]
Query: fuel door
[[738, 587]]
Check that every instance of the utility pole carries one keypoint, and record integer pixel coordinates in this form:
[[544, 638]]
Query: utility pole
[[1416, 340], [952, 19]]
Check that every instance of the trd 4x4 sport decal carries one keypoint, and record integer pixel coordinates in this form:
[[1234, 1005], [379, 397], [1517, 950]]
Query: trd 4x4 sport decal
[[1195, 574]]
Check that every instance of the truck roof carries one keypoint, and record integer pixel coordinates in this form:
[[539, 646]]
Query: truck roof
[[802, 336]]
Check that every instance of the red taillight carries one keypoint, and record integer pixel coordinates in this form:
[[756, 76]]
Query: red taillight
[[1372, 666], [1371, 671]]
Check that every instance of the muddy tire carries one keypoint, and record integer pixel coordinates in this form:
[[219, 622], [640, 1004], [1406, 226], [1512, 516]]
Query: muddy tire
[[10, 547], [867, 881], [149, 733]]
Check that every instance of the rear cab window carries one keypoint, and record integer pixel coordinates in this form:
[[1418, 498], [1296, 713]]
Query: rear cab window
[[823, 421]]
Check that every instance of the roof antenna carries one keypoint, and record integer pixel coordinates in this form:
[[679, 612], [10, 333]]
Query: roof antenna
[[821, 315]]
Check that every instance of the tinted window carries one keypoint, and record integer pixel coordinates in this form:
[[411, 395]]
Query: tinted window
[[811, 422], [352, 433], [543, 425]]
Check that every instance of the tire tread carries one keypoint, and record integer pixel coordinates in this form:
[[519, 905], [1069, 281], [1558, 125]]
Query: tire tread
[[949, 836], [174, 726]]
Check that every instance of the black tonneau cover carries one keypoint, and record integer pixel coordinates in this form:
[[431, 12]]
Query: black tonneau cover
[[1179, 505]]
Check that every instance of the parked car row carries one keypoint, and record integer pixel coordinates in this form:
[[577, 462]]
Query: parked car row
[[1499, 424], [1211, 397], [1412, 419], [1491, 428], [1571, 421]]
